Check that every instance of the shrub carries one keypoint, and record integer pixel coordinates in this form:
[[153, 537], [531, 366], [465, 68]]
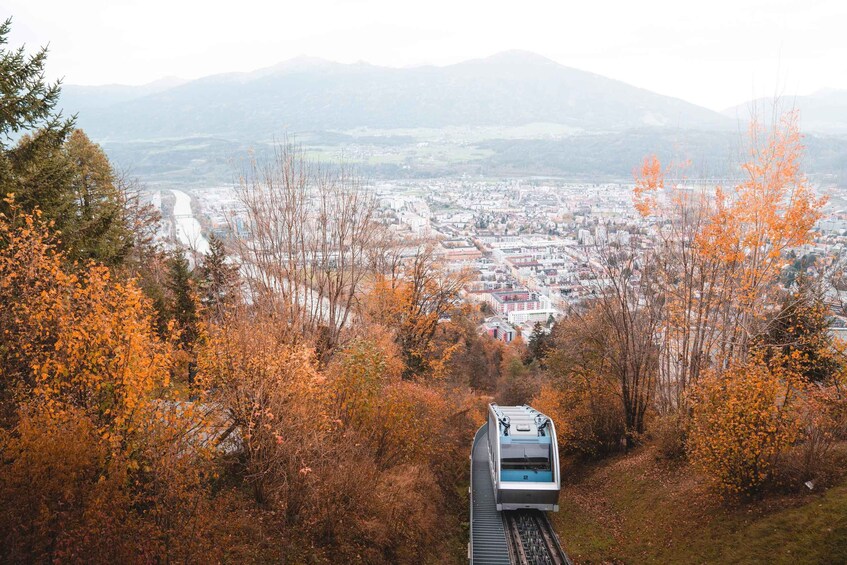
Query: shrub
[[744, 420], [588, 415], [669, 433], [822, 414]]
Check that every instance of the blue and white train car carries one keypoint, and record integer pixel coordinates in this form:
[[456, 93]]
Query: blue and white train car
[[523, 458]]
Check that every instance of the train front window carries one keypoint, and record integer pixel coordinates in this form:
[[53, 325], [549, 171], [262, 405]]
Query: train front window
[[527, 456]]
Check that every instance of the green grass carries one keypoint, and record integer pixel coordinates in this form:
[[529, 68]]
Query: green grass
[[636, 509]]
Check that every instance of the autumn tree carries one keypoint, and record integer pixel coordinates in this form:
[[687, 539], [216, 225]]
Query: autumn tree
[[57, 488], [721, 250], [142, 219], [693, 285], [517, 384], [742, 361], [85, 395], [344, 458], [476, 359], [72, 338], [582, 393], [411, 298], [360, 376], [277, 453]]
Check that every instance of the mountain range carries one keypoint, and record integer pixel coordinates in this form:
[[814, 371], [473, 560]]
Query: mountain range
[[514, 96], [509, 89]]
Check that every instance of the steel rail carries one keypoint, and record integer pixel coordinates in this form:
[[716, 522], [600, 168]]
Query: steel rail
[[532, 539]]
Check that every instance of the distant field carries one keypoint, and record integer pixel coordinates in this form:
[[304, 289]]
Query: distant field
[[532, 150], [464, 134], [410, 155]]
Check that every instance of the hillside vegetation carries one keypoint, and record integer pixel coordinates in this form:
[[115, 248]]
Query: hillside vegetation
[[307, 390]]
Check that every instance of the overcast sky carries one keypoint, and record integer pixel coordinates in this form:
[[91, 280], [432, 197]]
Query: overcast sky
[[715, 53]]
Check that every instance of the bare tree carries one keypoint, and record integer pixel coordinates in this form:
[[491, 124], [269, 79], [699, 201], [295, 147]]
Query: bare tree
[[696, 290], [310, 231], [630, 304]]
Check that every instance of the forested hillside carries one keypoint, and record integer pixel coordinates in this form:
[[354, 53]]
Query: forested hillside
[[307, 392]]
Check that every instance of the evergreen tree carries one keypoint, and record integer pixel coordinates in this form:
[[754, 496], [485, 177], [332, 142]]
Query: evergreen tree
[[183, 304], [98, 229], [39, 174], [27, 102], [54, 168], [539, 343], [798, 339], [73, 185], [218, 279]]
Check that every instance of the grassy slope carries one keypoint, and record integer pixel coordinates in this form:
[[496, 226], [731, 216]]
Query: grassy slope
[[636, 509]]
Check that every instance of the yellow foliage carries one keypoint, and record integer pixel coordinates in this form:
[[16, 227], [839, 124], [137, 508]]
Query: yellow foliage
[[79, 340], [411, 301], [745, 418]]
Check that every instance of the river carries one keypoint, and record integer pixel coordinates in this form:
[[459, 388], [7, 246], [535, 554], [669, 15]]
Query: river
[[187, 227]]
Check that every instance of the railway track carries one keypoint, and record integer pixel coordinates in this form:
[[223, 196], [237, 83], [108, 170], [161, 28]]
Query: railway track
[[531, 539]]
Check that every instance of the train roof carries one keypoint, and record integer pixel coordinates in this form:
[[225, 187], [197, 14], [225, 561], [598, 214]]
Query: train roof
[[520, 421]]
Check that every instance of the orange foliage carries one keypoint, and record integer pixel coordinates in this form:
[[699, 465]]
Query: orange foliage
[[770, 211], [347, 458], [105, 359], [587, 412], [411, 301], [90, 436], [647, 182], [721, 251], [105, 460], [402, 422], [79, 340], [60, 496], [744, 420], [268, 390]]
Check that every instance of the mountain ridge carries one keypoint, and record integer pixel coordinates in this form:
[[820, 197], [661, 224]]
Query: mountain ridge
[[510, 88], [514, 112], [823, 111]]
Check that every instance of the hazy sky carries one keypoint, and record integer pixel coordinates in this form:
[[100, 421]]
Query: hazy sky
[[713, 52]]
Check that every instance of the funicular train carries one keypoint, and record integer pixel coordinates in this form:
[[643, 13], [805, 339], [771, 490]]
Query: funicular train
[[523, 458]]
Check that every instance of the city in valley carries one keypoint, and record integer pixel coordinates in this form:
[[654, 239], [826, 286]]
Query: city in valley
[[531, 247]]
